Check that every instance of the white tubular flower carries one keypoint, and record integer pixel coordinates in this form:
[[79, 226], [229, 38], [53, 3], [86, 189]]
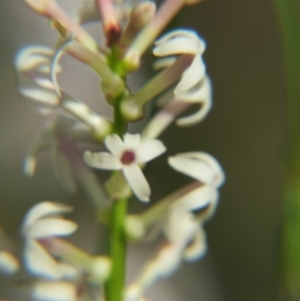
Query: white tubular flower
[[54, 291], [204, 168], [179, 229], [39, 223], [127, 155], [194, 86], [35, 66], [9, 264]]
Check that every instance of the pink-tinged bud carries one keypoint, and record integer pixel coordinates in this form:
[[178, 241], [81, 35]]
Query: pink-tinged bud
[[109, 20]]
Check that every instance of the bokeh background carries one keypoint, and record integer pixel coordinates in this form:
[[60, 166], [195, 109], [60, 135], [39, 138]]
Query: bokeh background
[[245, 131]]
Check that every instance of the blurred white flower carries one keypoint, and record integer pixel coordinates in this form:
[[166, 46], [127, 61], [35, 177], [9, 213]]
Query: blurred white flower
[[127, 155], [54, 291], [9, 264], [40, 222], [176, 216], [204, 168], [180, 229], [194, 86]]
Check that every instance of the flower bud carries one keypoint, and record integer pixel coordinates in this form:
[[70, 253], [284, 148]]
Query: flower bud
[[100, 269], [131, 110], [134, 227]]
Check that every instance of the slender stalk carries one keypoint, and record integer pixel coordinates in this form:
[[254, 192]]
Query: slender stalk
[[289, 17], [117, 240], [117, 252]]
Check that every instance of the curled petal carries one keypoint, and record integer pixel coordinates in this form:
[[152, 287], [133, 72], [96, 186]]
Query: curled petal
[[150, 150], [114, 144], [191, 76], [54, 291], [40, 95], [9, 264], [214, 165], [137, 182], [44, 209], [32, 56], [195, 118], [176, 46], [39, 262], [56, 57], [196, 169], [132, 141], [51, 227], [197, 248], [195, 199], [201, 94], [187, 34], [102, 160]]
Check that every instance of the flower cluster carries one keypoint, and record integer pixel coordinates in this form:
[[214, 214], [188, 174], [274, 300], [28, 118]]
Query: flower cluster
[[62, 271]]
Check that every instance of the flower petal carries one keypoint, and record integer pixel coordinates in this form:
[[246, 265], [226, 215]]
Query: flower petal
[[114, 144], [194, 168], [31, 56], [54, 291], [8, 263], [195, 118], [51, 227], [137, 182], [149, 150], [132, 141], [102, 160], [197, 248], [178, 45], [40, 95], [191, 76], [211, 162], [39, 262], [195, 199], [44, 209]]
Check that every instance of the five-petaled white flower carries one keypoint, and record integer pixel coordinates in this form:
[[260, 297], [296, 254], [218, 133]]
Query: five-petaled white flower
[[127, 155]]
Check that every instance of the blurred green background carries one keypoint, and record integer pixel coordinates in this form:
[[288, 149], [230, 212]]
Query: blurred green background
[[245, 131]]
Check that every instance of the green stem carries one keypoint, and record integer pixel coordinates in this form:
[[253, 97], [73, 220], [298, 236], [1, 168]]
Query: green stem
[[117, 241], [289, 17], [117, 252]]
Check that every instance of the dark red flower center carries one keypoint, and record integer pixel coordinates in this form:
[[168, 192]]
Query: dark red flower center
[[128, 157]]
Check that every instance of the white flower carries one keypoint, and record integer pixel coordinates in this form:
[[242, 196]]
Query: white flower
[[194, 86], [39, 223], [204, 168], [180, 229], [9, 264], [127, 155], [54, 291]]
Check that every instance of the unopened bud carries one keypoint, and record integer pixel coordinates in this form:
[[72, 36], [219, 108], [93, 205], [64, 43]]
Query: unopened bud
[[134, 227], [100, 269], [131, 110]]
